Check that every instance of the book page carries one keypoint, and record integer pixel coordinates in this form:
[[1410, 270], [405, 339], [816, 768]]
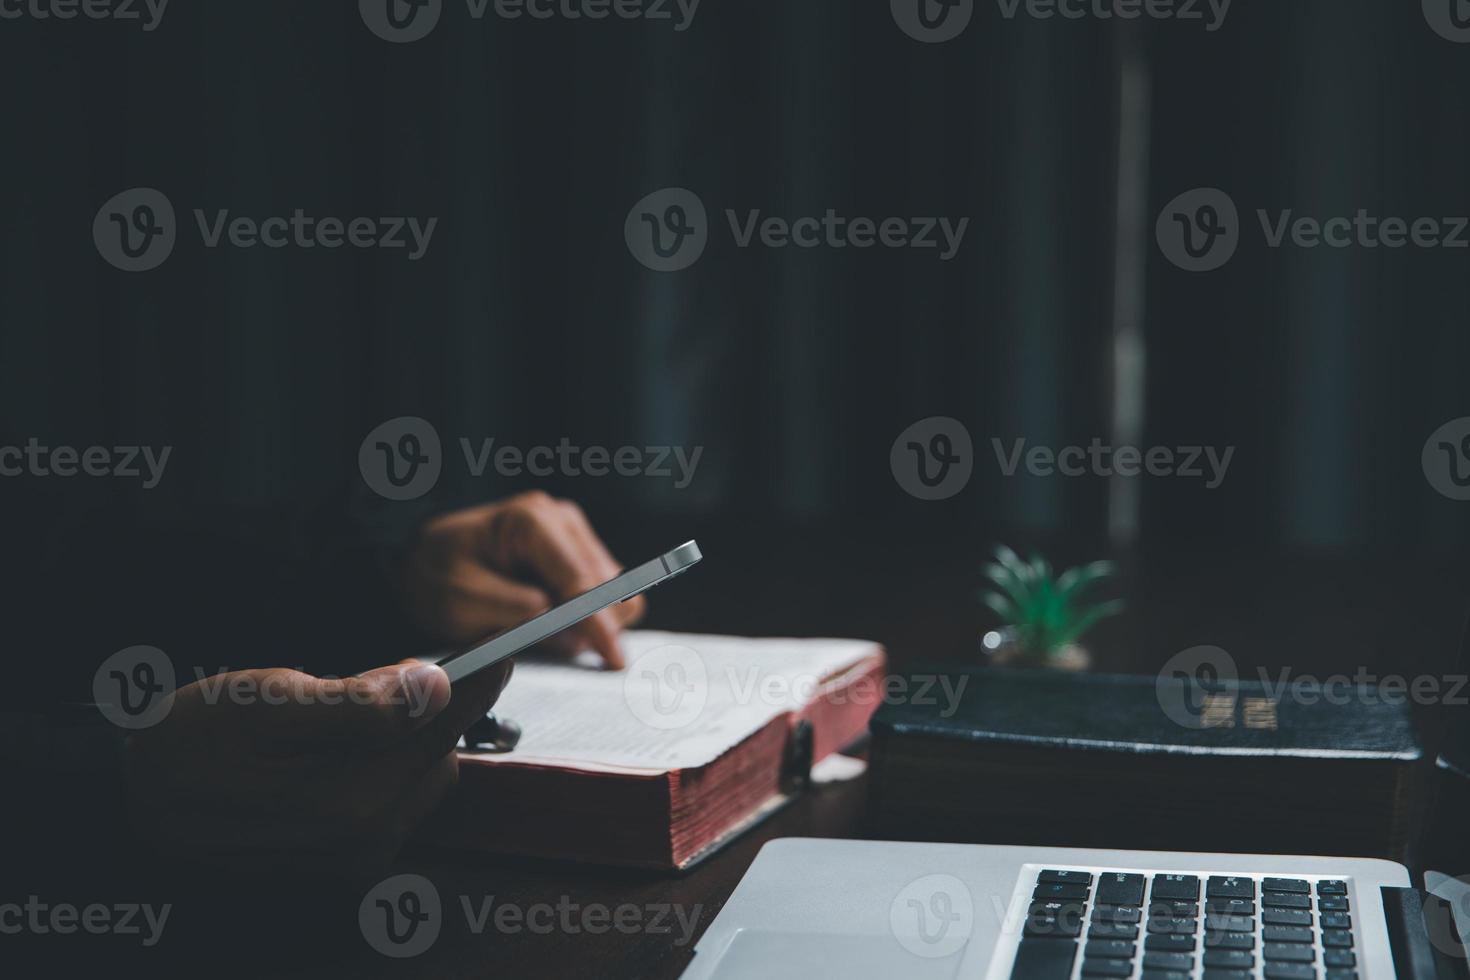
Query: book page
[[683, 700]]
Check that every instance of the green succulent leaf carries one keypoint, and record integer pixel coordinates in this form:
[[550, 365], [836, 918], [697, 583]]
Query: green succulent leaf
[[1088, 620], [1003, 607], [1045, 610], [1074, 580], [1007, 581], [1013, 561]]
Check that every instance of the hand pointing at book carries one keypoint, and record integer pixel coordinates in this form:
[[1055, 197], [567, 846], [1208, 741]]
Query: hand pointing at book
[[475, 572]]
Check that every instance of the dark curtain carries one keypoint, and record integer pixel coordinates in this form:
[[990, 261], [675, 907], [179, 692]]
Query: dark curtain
[[529, 321]]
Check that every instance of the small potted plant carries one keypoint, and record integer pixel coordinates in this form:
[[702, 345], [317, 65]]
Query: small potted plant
[[1043, 617]]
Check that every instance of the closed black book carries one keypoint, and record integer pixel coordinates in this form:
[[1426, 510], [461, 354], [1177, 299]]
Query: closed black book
[[1097, 760]]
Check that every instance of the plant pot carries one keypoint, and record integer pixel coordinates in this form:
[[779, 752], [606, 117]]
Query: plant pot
[[1003, 651]]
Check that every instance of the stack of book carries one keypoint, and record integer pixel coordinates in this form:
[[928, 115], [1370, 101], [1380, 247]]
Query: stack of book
[[1048, 758]]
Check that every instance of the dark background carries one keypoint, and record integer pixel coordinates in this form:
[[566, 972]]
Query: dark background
[[1326, 548], [528, 320]]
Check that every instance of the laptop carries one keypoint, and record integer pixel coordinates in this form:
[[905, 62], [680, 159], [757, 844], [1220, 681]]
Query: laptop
[[810, 908]]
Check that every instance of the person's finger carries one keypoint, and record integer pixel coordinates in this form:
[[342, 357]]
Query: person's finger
[[375, 708], [542, 536], [530, 533], [630, 611], [590, 634], [481, 602], [554, 541], [595, 555], [471, 698], [594, 633], [588, 545], [601, 632]]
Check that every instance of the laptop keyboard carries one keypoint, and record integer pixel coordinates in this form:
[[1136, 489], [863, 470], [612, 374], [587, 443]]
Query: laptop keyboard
[[1097, 924]]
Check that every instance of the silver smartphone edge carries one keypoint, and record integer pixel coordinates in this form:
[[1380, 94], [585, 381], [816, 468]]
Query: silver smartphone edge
[[572, 612]]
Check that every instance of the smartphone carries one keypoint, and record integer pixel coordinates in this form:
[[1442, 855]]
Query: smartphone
[[469, 662]]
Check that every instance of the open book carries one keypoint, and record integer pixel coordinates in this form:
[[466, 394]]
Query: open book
[[659, 764]]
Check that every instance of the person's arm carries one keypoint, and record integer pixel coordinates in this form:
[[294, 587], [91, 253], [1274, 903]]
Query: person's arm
[[86, 578], [230, 600], [226, 590]]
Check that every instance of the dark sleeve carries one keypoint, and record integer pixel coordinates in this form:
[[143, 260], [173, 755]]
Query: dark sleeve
[[309, 587]]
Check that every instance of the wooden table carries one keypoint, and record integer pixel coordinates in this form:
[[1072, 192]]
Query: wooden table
[[833, 810], [1312, 616]]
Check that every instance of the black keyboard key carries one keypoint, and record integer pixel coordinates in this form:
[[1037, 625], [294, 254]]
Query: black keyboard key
[[1333, 903], [1290, 971], [1227, 975], [1230, 940], [1233, 959], [1339, 957], [1108, 949], [1220, 886], [1230, 906], [1331, 888], [1229, 923], [1065, 878], [1054, 909], [1044, 959], [1118, 888], [1337, 939], [1286, 934], [1121, 914], [1163, 975], [1183, 887], [1054, 893], [1336, 920], [1286, 917], [1289, 952], [1107, 968], [1060, 928], [1172, 925], [1168, 961], [1293, 885], [1111, 930], [1173, 908], [1277, 900], [1169, 942], [1055, 919]]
